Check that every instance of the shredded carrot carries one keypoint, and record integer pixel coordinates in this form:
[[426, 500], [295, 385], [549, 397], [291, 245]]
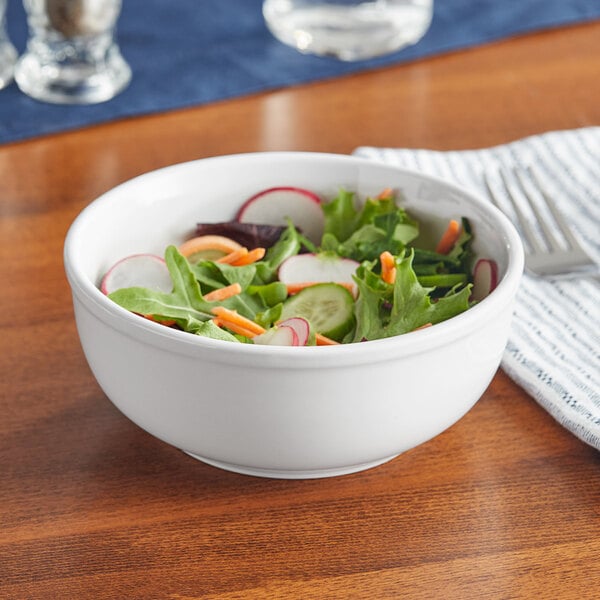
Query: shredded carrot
[[229, 316], [294, 288], [223, 293], [386, 193], [208, 242], [424, 326], [250, 257], [388, 267], [449, 238], [232, 257], [321, 340], [235, 327]]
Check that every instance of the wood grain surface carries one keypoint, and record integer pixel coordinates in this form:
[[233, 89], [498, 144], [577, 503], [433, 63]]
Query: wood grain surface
[[505, 504]]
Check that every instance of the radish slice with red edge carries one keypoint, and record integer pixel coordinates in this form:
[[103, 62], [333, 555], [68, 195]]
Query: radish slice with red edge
[[300, 326], [278, 336], [485, 278], [317, 268], [275, 205], [137, 270]]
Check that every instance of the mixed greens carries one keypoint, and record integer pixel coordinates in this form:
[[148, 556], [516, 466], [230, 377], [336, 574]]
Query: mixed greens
[[365, 279]]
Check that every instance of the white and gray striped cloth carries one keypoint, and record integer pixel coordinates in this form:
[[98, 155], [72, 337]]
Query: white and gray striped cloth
[[553, 350]]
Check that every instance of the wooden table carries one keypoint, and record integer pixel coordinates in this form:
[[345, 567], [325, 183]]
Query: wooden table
[[505, 504]]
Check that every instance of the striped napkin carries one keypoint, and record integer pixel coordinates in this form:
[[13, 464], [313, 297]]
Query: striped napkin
[[553, 350]]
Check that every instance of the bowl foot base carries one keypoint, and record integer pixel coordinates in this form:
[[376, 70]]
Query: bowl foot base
[[292, 473]]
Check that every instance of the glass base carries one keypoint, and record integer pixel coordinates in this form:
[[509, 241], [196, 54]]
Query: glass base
[[348, 31], [72, 84], [8, 58]]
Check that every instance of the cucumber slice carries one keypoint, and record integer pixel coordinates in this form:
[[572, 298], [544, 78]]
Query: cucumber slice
[[328, 307]]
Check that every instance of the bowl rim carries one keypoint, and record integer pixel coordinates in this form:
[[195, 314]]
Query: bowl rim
[[314, 356]]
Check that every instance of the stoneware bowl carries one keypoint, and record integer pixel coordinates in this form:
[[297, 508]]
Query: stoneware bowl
[[272, 411]]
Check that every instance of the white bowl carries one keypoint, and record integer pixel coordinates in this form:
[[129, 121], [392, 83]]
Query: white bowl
[[286, 412]]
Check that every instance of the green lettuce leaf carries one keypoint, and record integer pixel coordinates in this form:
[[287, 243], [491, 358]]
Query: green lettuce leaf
[[364, 233], [341, 216], [384, 310]]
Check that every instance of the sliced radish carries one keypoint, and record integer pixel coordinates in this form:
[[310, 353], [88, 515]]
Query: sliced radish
[[300, 326], [485, 278], [275, 205], [137, 270], [278, 336], [218, 244], [317, 268]]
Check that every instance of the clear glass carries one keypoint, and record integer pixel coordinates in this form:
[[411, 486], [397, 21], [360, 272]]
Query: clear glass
[[348, 29], [8, 54], [72, 56]]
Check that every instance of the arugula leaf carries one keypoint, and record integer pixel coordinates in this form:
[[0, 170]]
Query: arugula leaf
[[213, 275], [184, 304], [289, 244], [444, 271], [462, 251], [430, 257], [270, 316], [270, 293], [444, 280], [209, 329]]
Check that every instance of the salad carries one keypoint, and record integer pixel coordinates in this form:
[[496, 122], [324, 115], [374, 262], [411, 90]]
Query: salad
[[292, 269]]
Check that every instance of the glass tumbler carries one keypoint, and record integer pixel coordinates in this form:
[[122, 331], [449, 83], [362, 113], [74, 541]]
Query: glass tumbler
[[348, 29], [8, 54], [71, 55]]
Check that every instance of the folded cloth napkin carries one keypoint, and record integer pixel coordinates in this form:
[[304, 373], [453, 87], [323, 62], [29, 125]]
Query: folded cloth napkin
[[553, 350]]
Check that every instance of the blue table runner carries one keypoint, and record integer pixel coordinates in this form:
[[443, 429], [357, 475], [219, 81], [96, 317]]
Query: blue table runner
[[190, 52]]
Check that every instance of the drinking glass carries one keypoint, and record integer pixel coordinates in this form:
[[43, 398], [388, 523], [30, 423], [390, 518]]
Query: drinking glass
[[348, 29], [72, 56], [8, 54]]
